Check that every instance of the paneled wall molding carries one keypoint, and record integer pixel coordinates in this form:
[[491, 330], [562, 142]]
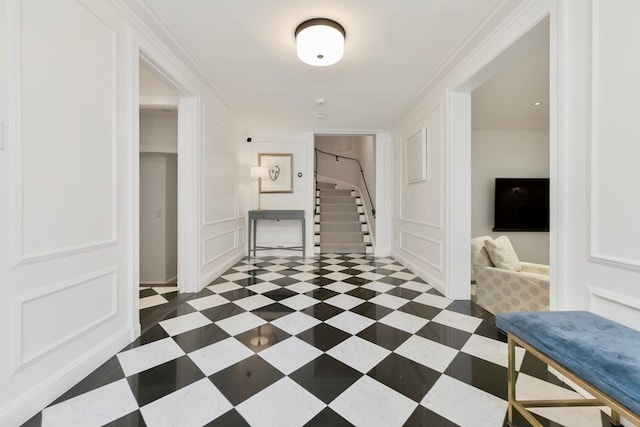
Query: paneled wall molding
[[233, 259], [219, 221], [596, 254], [420, 272], [221, 254], [401, 245], [596, 292], [16, 308], [240, 236], [17, 254], [422, 223]]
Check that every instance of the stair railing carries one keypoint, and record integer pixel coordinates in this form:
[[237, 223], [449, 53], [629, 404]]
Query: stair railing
[[338, 157]]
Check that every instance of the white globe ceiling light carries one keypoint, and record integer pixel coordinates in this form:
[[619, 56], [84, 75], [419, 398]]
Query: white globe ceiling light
[[320, 42]]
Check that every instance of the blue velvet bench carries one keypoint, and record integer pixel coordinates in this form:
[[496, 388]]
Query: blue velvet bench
[[597, 354]]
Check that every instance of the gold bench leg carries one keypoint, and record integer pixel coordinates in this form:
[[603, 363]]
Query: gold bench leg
[[511, 377]]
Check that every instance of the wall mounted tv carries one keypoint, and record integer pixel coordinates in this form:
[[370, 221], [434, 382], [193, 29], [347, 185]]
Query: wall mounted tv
[[521, 204]]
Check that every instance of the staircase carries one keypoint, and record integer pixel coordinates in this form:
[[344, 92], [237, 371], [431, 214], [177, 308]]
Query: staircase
[[340, 221]]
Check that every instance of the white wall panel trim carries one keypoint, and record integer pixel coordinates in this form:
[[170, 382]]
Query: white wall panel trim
[[220, 255], [596, 292], [15, 124], [16, 306], [439, 267], [218, 221], [426, 224], [595, 254]]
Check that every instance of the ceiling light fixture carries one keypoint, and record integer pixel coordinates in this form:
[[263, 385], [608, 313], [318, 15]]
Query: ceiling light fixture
[[320, 42], [536, 103]]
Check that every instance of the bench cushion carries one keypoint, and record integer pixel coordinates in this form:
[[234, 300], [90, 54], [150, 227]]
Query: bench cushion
[[602, 352]]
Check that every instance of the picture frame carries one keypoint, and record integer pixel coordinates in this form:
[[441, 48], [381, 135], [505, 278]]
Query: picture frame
[[416, 156], [280, 173]]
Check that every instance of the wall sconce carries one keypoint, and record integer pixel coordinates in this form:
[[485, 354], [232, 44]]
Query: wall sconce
[[259, 172]]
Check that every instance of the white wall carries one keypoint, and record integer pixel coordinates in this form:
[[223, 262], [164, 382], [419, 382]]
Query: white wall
[[69, 181], [283, 233], [158, 130], [507, 154]]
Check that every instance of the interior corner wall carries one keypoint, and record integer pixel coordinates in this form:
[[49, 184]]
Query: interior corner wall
[[507, 154]]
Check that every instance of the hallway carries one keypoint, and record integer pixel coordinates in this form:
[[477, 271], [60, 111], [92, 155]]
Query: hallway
[[338, 340]]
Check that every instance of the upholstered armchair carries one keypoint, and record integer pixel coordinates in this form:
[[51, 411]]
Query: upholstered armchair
[[503, 282]]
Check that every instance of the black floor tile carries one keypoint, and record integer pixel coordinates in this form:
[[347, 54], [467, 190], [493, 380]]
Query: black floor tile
[[237, 294], [321, 293], [286, 272], [422, 417], [325, 377], [159, 381], [229, 419], [421, 310], [372, 311], [107, 373], [220, 312], [405, 376], [328, 418], [273, 311], [451, 337], [201, 337], [133, 419], [365, 294], [358, 281], [279, 294], [257, 339], [392, 281], [385, 336], [322, 311], [323, 336], [320, 281], [283, 281], [147, 293], [470, 308], [479, 373], [242, 380], [404, 293]]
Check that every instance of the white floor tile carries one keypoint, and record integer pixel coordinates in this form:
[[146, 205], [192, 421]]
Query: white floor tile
[[465, 405], [345, 302], [491, 350], [404, 321], [303, 276], [242, 322], [426, 352], [187, 322], [165, 289], [295, 323], [302, 287], [403, 275], [268, 277], [152, 301], [416, 286], [337, 276], [530, 388], [378, 286], [370, 276], [263, 287], [359, 353], [184, 407], [340, 287], [221, 288], [370, 403], [235, 276], [207, 302], [290, 354], [282, 404], [433, 300], [299, 302], [218, 356], [149, 355], [390, 301], [350, 322], [253, 302], [97, 407], [457, 320]]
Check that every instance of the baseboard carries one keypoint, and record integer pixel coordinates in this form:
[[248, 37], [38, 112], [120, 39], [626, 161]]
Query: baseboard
[[435, 283], [29, 403], [222, 268]]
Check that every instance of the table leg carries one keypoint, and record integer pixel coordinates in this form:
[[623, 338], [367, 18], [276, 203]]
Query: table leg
[[249, 239], [255, 231], [304, 237]]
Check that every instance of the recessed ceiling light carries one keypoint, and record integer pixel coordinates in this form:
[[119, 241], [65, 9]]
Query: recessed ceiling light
[[536, 103], [321, 116], [319, 101]]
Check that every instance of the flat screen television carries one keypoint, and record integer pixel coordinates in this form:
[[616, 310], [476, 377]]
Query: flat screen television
[[521, 204]]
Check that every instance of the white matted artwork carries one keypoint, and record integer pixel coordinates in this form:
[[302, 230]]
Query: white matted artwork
[[280, 178], [416, 156]]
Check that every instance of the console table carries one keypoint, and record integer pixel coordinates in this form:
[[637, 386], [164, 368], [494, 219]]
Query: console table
[[274, 215]]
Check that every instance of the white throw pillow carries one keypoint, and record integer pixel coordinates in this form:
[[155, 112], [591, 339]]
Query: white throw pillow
[[502, 254]]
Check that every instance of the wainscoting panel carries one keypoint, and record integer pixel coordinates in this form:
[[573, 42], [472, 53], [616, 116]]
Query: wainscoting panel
[[615, 306], [614, 207], [64, 183], [38, 324], [218, 245], [426, 250]]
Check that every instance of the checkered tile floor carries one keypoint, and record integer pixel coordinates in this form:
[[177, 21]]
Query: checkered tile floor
[[337, 340]]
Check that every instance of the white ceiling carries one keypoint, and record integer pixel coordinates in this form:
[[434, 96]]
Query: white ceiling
[[246, 49]]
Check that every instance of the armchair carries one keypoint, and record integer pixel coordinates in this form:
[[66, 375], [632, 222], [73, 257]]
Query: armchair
[[500, 289]]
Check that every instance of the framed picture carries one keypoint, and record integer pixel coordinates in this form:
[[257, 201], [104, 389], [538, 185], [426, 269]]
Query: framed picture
[[416, 156], [280, 178]]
